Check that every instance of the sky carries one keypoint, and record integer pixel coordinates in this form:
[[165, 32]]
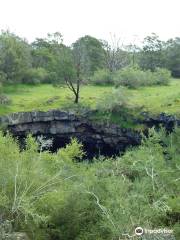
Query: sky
[[129, 20]]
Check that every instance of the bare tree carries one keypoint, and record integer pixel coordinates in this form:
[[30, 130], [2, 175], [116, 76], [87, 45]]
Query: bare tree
[[133, 49], [116, 57]]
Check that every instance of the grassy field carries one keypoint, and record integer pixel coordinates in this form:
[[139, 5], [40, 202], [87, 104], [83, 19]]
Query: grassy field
[[45, 96]]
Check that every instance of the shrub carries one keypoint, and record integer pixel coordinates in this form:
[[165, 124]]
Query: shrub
[[134, 77], [162, 76], [20, 178], [1, 88], [72, 151], [130, 77], [35, 75], [114, 101], [105, 199], [4, 100], [72, 215], [102, 77], [3, 77], [54, 78], [27, 176]]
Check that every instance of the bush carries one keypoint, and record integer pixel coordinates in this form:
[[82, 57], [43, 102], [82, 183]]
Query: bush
[[1, 88], [4, 100], [33, 174], [129, 77], [134, 77], [114, 101], [3, 77], [162, 76], [52, 196], [35, 75], [54, 79], [102, 77]]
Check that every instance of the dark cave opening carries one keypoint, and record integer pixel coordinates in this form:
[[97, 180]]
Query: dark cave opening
[[91, 147]]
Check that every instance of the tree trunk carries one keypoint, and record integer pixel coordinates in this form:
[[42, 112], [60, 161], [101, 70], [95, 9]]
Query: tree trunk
[[77, 90], [76, 98]]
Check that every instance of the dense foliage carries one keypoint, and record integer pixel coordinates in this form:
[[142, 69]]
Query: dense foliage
[[152, 55], [54, 196], [15, 57], [19, 60], [173, 56], [134, 77], [102, 77], [87, 60]]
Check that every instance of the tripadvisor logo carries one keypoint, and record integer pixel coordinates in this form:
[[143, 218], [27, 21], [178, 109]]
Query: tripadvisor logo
[[139, 231]]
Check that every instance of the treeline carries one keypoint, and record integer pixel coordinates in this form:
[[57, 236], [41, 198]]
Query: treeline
[[45, 60], [49, 60]]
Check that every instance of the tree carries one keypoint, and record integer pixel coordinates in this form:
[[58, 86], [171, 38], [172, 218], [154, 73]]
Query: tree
[[70, 67], [173, 56], [73, 68], [116, 57], [92, 54], [15, 56], [79, 62], [64, 64], [46, 53], [152, 54], [133, 51]]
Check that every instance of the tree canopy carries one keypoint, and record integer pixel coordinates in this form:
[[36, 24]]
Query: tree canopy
[[15, 57], [49, 60]]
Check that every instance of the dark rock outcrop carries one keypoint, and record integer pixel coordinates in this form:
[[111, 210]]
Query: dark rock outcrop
[[97, 138], [62, 126], [167, 121]]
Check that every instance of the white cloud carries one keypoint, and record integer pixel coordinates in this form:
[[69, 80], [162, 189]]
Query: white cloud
[[75, 18]]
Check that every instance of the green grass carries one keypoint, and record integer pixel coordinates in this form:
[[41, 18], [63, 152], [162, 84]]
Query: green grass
[[45, 96], [158, 99]]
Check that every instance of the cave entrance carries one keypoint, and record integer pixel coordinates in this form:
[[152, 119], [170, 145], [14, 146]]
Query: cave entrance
[[92, 147]]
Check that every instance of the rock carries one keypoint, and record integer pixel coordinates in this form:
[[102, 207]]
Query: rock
[[62, 126], [42, 116], [167, 121], [61, 115], [18, 118]]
